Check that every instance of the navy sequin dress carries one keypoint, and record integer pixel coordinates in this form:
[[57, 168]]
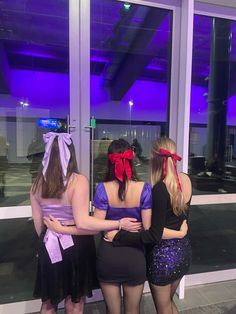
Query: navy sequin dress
[[167, 260]]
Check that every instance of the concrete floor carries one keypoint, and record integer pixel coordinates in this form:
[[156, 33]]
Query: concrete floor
[[218, 298]]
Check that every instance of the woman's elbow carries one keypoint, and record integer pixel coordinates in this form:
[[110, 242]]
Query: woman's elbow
[[156, 237], [83, 224]]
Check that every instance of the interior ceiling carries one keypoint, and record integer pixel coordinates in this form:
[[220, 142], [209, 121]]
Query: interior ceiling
[[131, 43], [228, 3]]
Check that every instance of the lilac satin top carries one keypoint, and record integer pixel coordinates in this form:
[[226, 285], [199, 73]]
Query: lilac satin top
[[51, 238], [60, 212], [100, 201]]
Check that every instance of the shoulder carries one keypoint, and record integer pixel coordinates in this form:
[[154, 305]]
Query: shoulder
[[100, 199], [186, 186], [142, 186], [146, 196], [159, 187], [184, 178], [100, 187], [147, 187], [139, 184], [77, 179]]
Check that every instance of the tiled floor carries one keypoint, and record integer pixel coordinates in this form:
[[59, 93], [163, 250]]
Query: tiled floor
[[219, 298], [212, 298]]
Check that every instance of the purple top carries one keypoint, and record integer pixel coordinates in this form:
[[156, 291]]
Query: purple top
[[52, 239], [100, 201], [60, 212]]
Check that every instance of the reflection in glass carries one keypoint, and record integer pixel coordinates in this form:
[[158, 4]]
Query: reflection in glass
[[212, 149], [17, 260], [34, 80], [213, 237], [130, 74]]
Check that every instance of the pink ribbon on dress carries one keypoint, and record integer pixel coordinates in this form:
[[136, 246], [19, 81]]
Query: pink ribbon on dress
[[51, 241]]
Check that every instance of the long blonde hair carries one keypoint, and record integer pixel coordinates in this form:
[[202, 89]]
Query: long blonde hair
[[157, 174]]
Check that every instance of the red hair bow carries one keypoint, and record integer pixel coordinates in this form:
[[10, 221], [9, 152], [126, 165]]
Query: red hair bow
[[122, 164], [175, 158]]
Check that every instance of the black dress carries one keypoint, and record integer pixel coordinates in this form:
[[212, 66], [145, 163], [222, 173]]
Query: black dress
[[122, 265], [74, 275], [167, 260]]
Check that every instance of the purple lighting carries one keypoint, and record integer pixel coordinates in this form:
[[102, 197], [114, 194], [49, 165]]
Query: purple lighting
[[36, 54], [42, 90]]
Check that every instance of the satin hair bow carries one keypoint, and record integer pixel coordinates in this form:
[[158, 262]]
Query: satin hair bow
[[174, 157], [122, 164], [64, 139]]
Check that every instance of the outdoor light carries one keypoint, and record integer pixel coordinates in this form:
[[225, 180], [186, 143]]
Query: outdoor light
[[127, 6], [131, 103], [24, 103]]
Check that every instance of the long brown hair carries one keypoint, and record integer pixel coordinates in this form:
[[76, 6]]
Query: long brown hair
[[119, 146], [52, 185], [156, 165]]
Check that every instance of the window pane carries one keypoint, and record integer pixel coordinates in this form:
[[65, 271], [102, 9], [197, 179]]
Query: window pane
[[213, 237], [212, 160], [34, 89], [18, 247], [130, 77]]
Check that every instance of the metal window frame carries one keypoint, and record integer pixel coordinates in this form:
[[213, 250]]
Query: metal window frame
[[79, 20]]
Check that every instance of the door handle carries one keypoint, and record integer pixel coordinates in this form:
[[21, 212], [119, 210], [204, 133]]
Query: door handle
[[69, 126]]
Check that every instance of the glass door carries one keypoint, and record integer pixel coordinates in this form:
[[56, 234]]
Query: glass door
[[130, 68], [34, 99]]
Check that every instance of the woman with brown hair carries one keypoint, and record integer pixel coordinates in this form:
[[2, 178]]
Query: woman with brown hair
[[60, 196], [169, 259]]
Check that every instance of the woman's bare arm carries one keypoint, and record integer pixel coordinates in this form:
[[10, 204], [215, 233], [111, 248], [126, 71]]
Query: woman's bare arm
[[36, 214]]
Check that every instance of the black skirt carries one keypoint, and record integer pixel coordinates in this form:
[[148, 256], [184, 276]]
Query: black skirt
[[122, 265], [168, 261], [74, 276]]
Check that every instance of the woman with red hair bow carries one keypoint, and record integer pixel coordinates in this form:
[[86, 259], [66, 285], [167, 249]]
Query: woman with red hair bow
[[168, 260], [122, 195]]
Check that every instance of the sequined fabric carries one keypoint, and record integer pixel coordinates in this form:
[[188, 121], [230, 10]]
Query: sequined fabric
[[168, 261]]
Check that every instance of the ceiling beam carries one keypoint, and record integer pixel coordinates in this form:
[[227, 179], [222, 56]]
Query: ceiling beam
[[134, 61]]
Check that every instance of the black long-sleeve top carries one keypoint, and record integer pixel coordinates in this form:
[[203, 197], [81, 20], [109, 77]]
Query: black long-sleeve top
[[162, 216]]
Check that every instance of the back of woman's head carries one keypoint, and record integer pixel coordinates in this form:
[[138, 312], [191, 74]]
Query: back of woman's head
[[163, 167], [120, 165], [53, 181], [118, 146]]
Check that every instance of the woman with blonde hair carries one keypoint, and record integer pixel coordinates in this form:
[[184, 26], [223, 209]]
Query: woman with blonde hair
[[168, 260]]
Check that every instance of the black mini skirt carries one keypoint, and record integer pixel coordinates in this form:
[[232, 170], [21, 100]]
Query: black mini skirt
[[122, 265], [74, 276]]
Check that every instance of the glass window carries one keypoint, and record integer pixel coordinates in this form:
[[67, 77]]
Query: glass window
[[213, 237], [18, 259], [212, 150], [130, 78], [34, 80], [34, 89]]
